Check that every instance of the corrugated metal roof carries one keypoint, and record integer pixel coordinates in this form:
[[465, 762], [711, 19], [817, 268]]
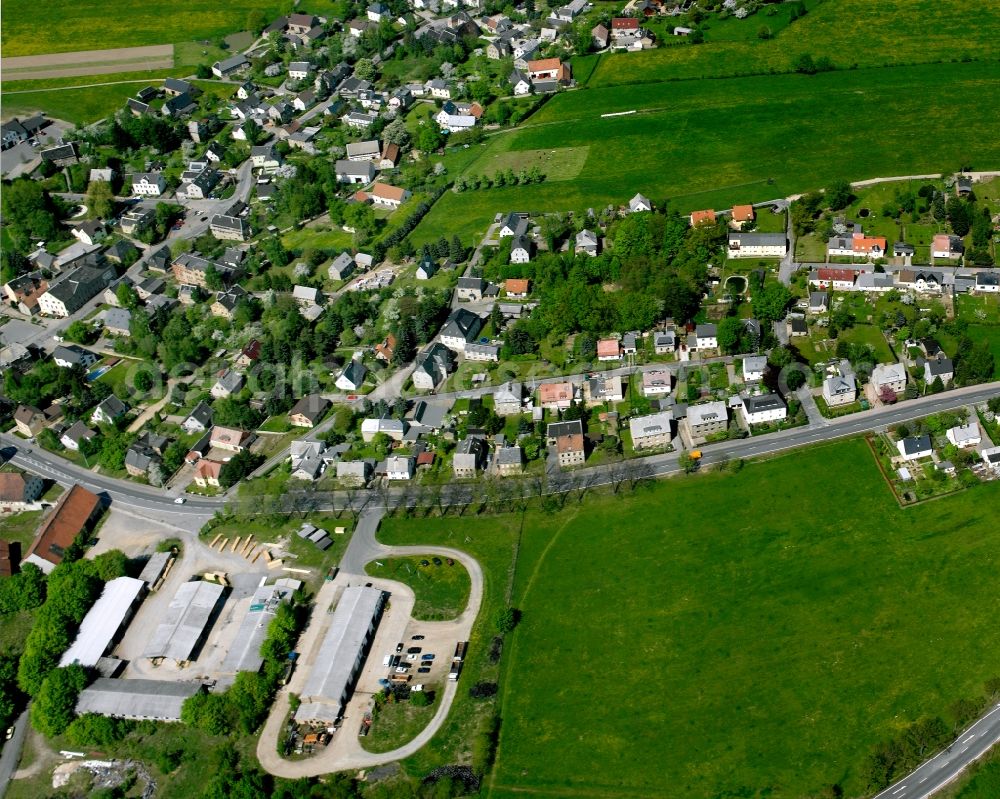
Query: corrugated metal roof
[[185, 621], [244, 653], [103, 621], [136, 699], [328, 682]]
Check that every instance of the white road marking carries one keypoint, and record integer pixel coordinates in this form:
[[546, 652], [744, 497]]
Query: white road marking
[[900, 788], [968, 739]]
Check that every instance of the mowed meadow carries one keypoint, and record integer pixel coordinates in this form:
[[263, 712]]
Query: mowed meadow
[[59, 26], [848, 32], [708, 144], [742, 635]]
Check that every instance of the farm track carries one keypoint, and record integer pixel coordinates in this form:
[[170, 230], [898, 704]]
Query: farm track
[[87, 62]]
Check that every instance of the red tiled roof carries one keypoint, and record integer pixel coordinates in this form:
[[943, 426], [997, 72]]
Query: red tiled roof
[[208, 469], [516, 285], [556, 392], [544, 65], [570, 443], [425, 459], [387, 192], [700, 217], [837, 274], [624, 24], [742, 213], [67, 520], [12, 487], [608, 347]]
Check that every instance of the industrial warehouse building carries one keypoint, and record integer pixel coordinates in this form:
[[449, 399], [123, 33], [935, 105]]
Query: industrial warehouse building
[[341, 655], [142, 700], [186, 622], [244, 653], [105, 621]]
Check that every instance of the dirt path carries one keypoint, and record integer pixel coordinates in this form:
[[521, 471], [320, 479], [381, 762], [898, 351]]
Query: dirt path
[[87, 62]]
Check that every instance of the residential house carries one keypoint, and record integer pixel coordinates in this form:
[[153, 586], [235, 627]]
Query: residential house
[[797, 327], [363, 151], [341, 267], [300, 70], [309, 410], [109, 411], [587, 243], [935, 368], [966, 435], [75, 290], [702, 218], [509, 461], [470, 289], [609, 349], [600, 390], [639, 203], [68, 356], [508, 399], [249, 355], [386, 349], [207, 472], [388, 196], [426, 269], [29, 420], [754, 367], [656, 383], [265, 157], [819, 302], [652, 431], [520, 83], [891, 376], [199, 420], [567, 437], [358, 120], [230, 439], [922, 281], [757, 245], [945, 246], [354, 472], [763, 408], [355, 172], [461, 327], [136, 221], [556, 396], [226, 301], [438, 88], [836, 279], [24, 291], [229, 382], [352, 377], [20, 491], [76, 434], [144, 453], [398, 467], [517, 288], [521, 248], [707, 419], [390, 156], [513, 224], [393, 428], [600, 36], [991, 457], [90, 232], [706, 337], [664, 342], [477, 351], [839, 388], [117, 321], [741, 215], [147, 184], [915, 447], [432, 366], [470, 457], [858, 245], [61, 155], [987, 283], [229, 228]]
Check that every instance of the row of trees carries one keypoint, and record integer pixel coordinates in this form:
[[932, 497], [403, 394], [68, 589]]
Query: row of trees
[[499, 180]]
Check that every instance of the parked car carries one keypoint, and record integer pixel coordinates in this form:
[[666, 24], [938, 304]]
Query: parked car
[[416, 638], [424, 670], [414, 650], [399, 647], [402, 668], [428, 656]]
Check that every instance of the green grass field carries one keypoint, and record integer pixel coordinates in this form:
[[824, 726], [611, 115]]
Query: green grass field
[[849, 32], [691, 141], [442, 592], [747, 653], [60, 26], [984, 309]]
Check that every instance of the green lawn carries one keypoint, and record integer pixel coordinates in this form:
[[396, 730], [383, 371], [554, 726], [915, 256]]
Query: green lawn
[[849, 32], [64, 25], [765, 652], [20, 527], [442, 592], [983, 309], [79, 100], [689, 141], [871, 335], [396, 724], [991, 335]]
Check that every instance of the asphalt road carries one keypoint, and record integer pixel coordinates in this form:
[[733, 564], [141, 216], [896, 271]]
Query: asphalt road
[[934, 774], [11, 754], [160, 506]]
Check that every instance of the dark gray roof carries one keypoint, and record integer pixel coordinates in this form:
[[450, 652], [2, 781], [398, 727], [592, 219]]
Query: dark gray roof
[[570, 428], [764, 402], [915, 444]]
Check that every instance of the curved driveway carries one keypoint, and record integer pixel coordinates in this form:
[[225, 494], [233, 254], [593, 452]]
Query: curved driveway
[[345, 751]]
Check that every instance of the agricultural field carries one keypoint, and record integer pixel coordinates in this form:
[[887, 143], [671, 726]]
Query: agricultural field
[[851, 33], [791, 627], [441, 591], [60, 26], [688, 142]]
